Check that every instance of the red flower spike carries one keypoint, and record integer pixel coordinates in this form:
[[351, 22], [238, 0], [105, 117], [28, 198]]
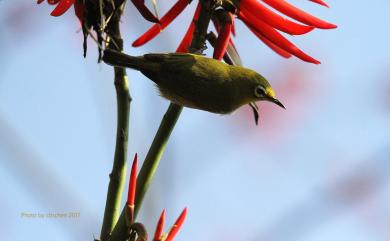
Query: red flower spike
[[320, 2], [222, 41], [277, 39], [186, 41], [179, 6], [254, 9], [145, 12], [176, 227], [299, 15], [159, 227], [272, 46], [62, 7], [132, 182]]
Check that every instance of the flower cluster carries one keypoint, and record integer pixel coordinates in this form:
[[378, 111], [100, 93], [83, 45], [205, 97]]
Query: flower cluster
[[263, 22], [96, 15], [79, 6], [137, 229]]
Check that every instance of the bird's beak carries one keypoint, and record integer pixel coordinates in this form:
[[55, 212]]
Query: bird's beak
[[276, 101]]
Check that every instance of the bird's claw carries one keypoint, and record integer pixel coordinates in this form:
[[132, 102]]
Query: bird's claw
[[255, 109]]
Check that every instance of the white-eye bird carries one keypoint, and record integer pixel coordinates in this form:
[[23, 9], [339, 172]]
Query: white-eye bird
[[199, 82]]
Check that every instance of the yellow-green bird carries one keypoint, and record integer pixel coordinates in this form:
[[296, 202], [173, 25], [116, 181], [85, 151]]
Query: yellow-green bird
[[199, 82]]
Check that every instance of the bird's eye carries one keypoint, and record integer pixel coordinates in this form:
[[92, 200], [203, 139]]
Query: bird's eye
[[259, 91]]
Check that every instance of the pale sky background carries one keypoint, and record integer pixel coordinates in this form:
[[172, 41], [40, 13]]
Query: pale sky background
[[314, 172]]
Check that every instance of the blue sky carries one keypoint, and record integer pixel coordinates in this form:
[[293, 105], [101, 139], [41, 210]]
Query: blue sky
[[314, 172]]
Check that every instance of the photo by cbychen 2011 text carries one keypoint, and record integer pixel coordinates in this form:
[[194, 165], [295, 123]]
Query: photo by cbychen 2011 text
[[50, 215]]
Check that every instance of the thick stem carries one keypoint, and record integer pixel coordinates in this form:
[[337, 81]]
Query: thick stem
[[157, 148], [118, 173]]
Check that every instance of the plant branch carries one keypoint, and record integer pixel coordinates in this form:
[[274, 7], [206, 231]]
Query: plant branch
[[118, 173], [167, 125]]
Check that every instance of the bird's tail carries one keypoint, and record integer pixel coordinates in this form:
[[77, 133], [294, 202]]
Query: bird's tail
[[119, 59]]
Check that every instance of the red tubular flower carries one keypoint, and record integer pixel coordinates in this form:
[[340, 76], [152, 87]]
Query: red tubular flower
[[132, 182], [176, 227], [145, 12], [224, 31], [159, 227], [299, 15], [233, 25], [276, 38], [264, 23], [186, 41], [320, 2], [179, 6], [62, 7], [254, 9], [79, 11]]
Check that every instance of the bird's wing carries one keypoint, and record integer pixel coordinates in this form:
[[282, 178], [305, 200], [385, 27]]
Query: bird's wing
[[171, 58]]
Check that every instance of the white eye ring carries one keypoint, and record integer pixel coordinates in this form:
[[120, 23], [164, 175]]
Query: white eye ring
[[259, 91]]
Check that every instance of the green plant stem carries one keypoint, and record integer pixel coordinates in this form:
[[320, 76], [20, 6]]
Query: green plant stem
[[118, 173], [168, 123]]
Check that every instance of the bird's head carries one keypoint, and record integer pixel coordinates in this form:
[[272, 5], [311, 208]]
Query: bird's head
[[257, 88], [262, 90]]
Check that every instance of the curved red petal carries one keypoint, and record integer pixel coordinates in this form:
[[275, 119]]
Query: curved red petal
[[62, 7], [186, 41], [299, 15], [222, 41], [320, 2], [159, 227], [179, 6], [276, 38], [132, 182], [144, 11], [176, 227], [40, 1], [272, 46], [258, 10]]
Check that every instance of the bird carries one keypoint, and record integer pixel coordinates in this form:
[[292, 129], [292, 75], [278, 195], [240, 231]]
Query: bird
[[199, 82]]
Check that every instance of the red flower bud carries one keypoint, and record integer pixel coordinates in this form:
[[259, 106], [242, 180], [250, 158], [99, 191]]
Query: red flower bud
[[320, 2], [179, 6], [159, 227], [299, 15], [176, 227], [132, 182]]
